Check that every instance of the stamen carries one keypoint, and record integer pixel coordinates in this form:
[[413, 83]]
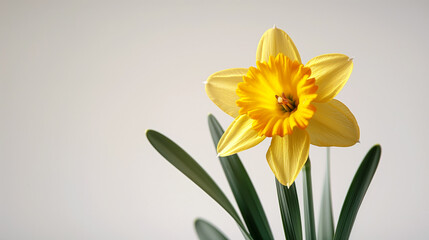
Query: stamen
[[287, 103]]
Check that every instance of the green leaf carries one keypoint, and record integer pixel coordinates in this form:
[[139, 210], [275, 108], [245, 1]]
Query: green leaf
[[326, 219], [188, 166], [206, 231], [310, 231], [356, 193], [242, 188], [289, 208]]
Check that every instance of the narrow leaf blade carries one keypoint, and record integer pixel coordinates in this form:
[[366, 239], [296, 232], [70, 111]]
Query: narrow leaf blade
[[356, 193], [326, 219], [310, 231], [242, 188], [206, 231], [289, 208], [188, 166]]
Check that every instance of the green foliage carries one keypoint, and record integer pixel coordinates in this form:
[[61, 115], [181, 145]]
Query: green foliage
[[289, 209], [206, 231], [248, 201], [242, 188], [326, 219], [188, 166], [356, 193], [310, 229]]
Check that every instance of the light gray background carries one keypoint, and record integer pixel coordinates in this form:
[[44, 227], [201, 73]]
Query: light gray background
[[81, 81]]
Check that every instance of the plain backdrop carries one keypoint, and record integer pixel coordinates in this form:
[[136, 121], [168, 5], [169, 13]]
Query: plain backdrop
[[81, 81]]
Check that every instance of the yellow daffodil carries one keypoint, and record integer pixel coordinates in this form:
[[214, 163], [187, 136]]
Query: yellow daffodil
[[287, 101]]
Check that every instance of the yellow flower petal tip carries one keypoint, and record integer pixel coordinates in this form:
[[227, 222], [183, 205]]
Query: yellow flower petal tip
[[238, 137], [331, 72], [283, 99], [287, 155], [273, 42], [220, 88]]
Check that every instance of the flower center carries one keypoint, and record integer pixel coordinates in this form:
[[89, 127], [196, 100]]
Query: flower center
[[288, 81], [287, 103]]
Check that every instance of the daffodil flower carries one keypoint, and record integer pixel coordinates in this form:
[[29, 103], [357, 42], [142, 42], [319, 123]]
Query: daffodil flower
[[284, 100]]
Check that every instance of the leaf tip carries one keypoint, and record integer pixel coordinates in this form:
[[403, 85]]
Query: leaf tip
[[377, 147], [197, 222], [149, 132]]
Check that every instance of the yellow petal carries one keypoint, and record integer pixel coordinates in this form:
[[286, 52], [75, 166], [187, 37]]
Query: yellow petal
[[273, 42], [331, 72], [238, 137], [333, 125], [287, 155], [221, 86]]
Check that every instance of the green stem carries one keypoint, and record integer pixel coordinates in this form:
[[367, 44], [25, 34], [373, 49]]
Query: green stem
[[310, 229], [289, 209], [326, 220]]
